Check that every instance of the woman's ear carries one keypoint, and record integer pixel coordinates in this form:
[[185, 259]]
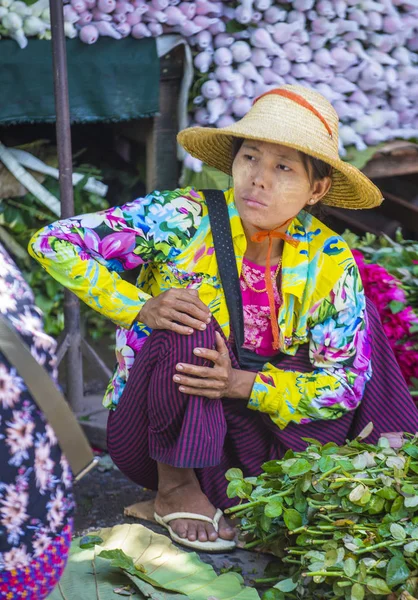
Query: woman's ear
[[320, 189]]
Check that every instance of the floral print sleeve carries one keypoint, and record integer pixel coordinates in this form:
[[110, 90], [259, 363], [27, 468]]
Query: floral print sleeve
[[340, 352], [87, 253]]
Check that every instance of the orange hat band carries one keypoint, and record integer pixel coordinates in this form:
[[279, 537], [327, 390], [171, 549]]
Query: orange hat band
[[299, 100]]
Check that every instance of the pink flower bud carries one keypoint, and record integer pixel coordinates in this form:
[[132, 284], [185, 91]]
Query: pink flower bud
[[140, 30], [217, 27], [156, 29], [225, 121], [202, 61], [89, 34], [240, 106], [159, 4], [211, 89], [188, 9], [224, 73], [205, 7], [124, 29], [202, 116], [119, 18], [175, 16], [85, 18], [105, 28], [134, 18], [259, 58], [98, 15], [106, 6], [204, 39], [223, 39], [203, 21], [227, 91], [124, 7], [70, 15], [155, 15], [79, 6], [241, 51], [223, 57], [216, 108], [141, 5]]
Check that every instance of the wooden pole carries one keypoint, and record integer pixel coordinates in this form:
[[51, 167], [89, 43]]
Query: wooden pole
[[72, 340]]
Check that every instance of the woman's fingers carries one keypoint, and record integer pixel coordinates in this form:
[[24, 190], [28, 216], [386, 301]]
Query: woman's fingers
[[206, 392], [218, 356], [195, 370], [176, 327], [212, 355], [199, 383], [221, 345], [184, 319], [193, 304], [192, 311]]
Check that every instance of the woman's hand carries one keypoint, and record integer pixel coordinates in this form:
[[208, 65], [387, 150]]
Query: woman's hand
[[177, 309], [219, 381]]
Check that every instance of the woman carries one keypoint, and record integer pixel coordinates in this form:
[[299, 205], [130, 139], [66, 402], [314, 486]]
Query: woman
[[36, 501], [188, 411]]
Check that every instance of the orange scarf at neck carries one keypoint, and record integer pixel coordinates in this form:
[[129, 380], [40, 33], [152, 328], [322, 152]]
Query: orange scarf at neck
[[259, 237]]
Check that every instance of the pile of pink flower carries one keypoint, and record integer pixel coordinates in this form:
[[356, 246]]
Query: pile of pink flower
[[399, 320]]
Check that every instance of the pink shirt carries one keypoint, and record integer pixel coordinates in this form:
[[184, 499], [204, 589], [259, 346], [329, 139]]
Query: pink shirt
[[258, 335]]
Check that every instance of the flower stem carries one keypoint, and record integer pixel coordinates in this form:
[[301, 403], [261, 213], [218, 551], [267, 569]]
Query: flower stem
[[380, 545], [325, 475], [259, 541], [267, 580], [323, 574]]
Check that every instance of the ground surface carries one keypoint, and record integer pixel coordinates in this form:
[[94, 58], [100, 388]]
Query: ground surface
[[102, 495]]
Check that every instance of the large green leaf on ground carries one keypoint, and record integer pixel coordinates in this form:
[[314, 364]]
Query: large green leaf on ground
[[164, 572], [88, 577]]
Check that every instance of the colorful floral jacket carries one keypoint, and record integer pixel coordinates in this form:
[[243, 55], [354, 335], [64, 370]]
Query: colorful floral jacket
[[168, 235]]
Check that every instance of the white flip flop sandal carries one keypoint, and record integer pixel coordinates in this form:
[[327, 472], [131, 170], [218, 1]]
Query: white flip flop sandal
[[219, 545]]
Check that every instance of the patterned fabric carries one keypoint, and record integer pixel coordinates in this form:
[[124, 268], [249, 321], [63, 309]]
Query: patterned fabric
[[168, 234], [155, 422], [36, 502], [258, 335], [38, 578]]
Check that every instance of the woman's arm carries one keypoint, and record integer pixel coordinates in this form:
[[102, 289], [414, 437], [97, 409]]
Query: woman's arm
[[340, 352], [87, 253]]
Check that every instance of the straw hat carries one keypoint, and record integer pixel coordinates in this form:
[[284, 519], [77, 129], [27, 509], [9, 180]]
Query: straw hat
[[293, 116]]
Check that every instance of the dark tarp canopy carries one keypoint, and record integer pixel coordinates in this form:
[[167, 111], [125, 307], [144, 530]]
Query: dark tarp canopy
[[108, 81]]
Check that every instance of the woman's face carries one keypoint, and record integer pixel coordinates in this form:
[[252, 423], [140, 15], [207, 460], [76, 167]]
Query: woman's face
[[271, 184]]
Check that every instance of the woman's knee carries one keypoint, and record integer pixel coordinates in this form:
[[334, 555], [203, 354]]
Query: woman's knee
[[179, 347]]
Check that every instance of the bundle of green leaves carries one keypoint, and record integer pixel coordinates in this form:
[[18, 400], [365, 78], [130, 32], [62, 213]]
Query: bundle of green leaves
[[342, 520]]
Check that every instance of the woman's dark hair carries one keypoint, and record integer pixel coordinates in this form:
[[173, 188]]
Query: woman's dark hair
[[315, 168]]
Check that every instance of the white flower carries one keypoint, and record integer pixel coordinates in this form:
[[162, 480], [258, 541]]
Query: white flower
[[29, 322], [7, 303], [41, 542], [4, 267], [43, 466], [56, 509], [13, 511], [16, 558], [19, 433], [50, 434], [67, 477], [10, 387]]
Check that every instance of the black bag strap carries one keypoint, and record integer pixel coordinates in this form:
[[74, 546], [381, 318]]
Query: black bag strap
[[71, 437], [227, 264]]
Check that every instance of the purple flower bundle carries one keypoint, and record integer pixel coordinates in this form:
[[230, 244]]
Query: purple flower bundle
[[398, 318]]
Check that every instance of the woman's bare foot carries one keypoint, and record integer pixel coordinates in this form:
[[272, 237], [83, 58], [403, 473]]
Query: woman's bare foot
[[180, 492]]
